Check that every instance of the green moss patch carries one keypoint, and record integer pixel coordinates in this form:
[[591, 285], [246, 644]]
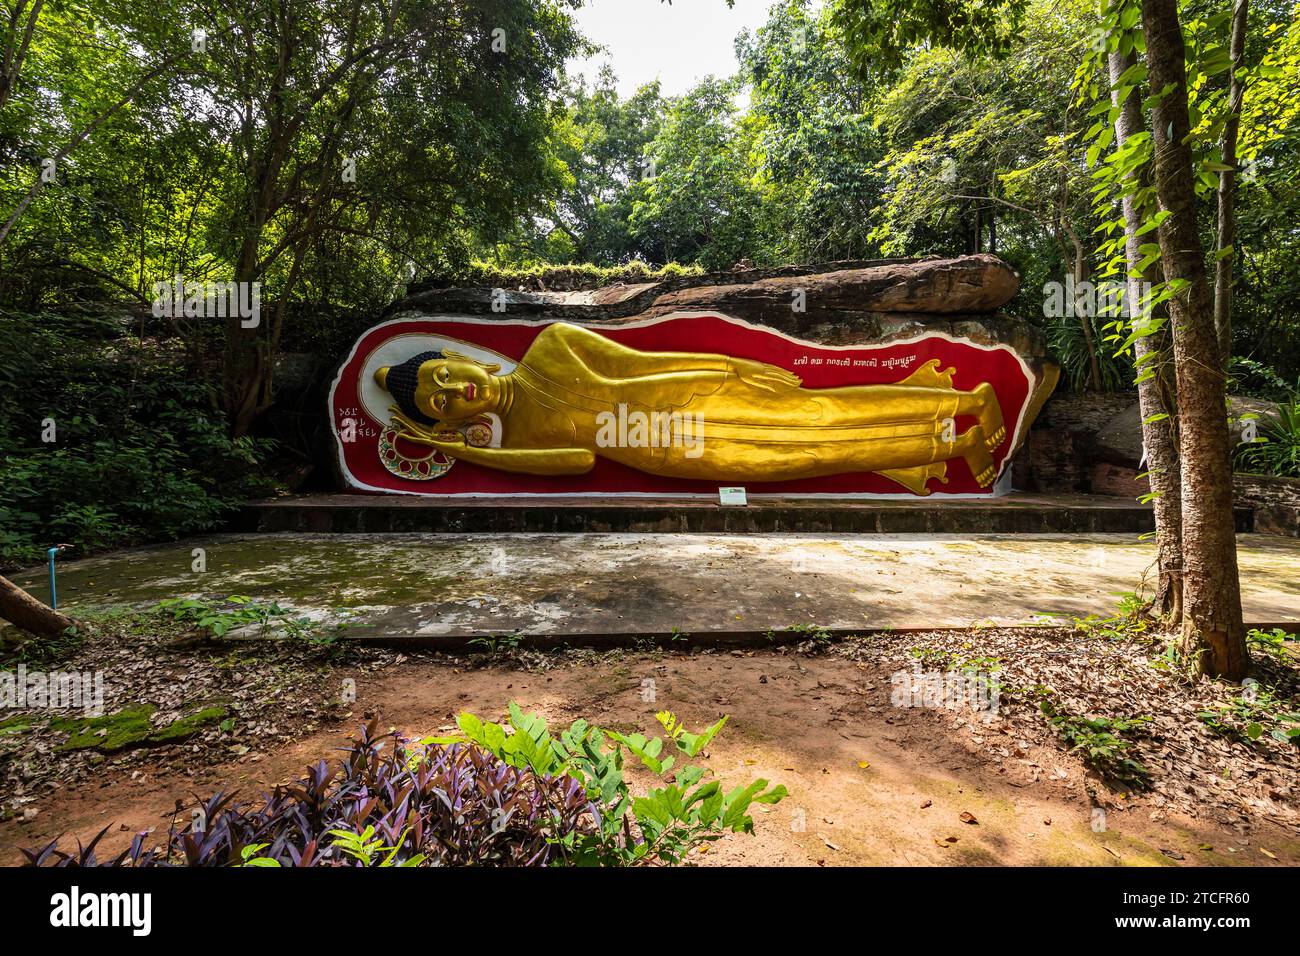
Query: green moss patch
[[12, 726], [132, 727]]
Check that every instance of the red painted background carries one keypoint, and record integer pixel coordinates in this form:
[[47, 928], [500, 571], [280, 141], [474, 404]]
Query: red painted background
[[708, 333]]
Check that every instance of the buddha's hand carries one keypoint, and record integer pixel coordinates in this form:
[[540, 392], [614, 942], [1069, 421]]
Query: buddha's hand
[[451, 444], [769, 378]]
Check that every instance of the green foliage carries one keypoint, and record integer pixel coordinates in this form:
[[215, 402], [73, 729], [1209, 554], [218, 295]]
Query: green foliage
[[813, 140], [250, 858], [1276, 448], [1102, 742], [218, 618], [138, 452], [882, 32], [1273, 643], [497, 643], [1068, 342], [699, 206], [814, 632], [367, 850], [566, 278], [604, 142], [938, 659], [1129, 622], [661, 825], [1250, 715], [1258, 380]]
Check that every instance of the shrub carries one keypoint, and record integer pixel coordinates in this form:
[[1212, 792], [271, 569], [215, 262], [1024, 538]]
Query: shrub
[[1249, 377], [661, 826], [1276, 448], [140, 454], [498, 796], [400, 806]]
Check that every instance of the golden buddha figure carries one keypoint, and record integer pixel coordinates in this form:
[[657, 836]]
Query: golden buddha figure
[[576, 395]]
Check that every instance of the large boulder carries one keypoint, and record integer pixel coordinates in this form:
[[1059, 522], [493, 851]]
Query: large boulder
[[858, 324], [965, 284], [979, 283], [1120, 442], [842, 303]]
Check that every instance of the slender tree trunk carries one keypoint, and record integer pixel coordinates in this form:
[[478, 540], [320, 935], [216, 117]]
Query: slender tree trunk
[[1213, 635], [1083, 310], [1155, 392], [1227, 232], [24, 611]]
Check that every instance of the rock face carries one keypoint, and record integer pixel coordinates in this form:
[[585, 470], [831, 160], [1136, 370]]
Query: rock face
[[847, 324], [980, 283], [843, 303], [1120, 442], [966, 284]]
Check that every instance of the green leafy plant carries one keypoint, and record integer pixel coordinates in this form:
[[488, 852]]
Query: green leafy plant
[[1103, 743], [938, 659], [1273, 643], [250, 858], [819, 636], [661, 825], [1129, 622], [497, 643], [366, 848], [219, 618], [137, 451], [1276, 448], [1256, 711]]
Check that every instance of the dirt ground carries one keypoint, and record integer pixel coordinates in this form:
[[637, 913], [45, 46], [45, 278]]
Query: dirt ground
[[870, 783]]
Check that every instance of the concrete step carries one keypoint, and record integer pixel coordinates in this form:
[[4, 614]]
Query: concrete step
[[1017, 513]]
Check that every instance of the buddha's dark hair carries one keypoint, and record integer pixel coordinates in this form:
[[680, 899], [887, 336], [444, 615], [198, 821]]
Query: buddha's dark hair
[[401, 382]]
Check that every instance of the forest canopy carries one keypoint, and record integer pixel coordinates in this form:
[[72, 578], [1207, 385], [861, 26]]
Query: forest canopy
[[335, 149]]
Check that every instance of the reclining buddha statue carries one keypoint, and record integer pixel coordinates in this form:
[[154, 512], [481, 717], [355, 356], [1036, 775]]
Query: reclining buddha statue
[[732, 419]]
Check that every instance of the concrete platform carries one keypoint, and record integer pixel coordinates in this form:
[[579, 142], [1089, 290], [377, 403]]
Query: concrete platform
[[1018, 513], [616, 589]]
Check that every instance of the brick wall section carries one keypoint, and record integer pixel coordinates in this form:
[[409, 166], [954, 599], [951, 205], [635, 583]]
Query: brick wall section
[[1061, 456], [1059, 453]]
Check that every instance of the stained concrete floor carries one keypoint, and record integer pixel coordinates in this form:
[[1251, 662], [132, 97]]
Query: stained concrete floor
[[444, 589]]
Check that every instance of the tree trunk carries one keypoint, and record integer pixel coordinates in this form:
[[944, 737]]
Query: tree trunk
[[1227, 231], [1155, 394], [1213, 635], [24, 611], [1083, 310]]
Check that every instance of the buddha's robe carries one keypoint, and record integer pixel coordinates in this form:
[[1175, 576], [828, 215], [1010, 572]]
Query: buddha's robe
[[755, 422]]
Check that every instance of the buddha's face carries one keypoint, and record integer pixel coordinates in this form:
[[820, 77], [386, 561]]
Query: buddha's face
[[454, 390]]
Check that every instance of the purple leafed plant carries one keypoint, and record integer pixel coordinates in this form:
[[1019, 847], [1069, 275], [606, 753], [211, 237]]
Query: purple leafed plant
[[454, 805]]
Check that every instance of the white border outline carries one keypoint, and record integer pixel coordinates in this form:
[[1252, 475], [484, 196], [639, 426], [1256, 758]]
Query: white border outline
[[416, 316]]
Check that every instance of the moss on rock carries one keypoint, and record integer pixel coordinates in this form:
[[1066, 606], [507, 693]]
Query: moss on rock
[[132, 727]]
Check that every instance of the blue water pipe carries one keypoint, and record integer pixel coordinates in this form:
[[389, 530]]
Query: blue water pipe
[[54, 593]]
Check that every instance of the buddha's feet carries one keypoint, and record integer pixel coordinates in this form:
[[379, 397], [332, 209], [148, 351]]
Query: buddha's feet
[[990, 416], [978, 459]]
